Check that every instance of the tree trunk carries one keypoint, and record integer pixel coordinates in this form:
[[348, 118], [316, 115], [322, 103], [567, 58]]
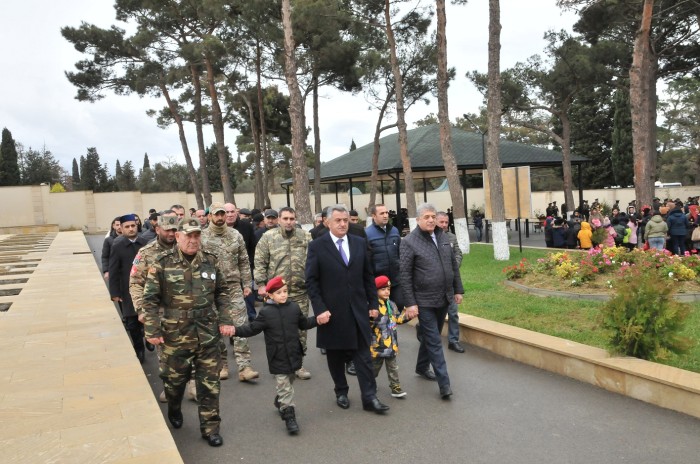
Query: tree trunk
[[448, 157], [501, 250], [258, 198], [566, 156], [197, 104], [218, 125], [400, 120], [185, 149], [317, 147], [641, 106], [296, 115], [375, 153], [262, 141]]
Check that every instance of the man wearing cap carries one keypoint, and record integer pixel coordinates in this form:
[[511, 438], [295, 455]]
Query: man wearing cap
[[146, 256], [282, 252], [121, 258], [269, 223], [189, 284], [233, 257], [244, 213]]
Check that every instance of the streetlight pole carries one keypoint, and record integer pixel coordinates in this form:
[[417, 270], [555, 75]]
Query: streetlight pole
[[483, 144]]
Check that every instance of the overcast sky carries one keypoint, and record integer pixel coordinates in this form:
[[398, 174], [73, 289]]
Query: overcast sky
[[38, 105]]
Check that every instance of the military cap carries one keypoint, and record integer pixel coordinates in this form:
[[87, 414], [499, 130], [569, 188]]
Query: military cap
[[216, 207], [275, 284], [270, 213], [382, 281], [127, 218], [168, 222], [188, 226], [245, 211]]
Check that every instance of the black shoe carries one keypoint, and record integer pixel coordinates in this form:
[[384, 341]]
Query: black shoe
[[141, 354], [426, 374], [214, 439], [455, 347], [445, 392], [350, 368], [150, 346], [175, 418], [376, 406], [343, 401], [290, 420]]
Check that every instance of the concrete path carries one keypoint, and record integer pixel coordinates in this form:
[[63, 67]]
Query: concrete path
[[501, 412]]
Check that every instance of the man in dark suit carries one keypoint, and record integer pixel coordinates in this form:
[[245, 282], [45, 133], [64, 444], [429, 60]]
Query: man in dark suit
[[121, 260], [340, 284]]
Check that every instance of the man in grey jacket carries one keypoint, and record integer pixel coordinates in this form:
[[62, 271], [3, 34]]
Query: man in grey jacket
[[431, 282]]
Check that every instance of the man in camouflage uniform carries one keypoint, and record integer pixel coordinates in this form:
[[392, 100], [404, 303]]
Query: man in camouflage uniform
[[228, 243], [189, 284], [281, 252], [146, 256], [453, 310]]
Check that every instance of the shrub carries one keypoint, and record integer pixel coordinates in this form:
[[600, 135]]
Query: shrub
[[644, 318]]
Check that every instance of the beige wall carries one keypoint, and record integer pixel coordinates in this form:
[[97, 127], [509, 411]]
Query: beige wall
[[92, 212]]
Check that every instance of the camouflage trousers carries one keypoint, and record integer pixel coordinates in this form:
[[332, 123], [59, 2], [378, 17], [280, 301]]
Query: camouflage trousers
[[303, 301], [392, 369], [285, 390], [241, 349], [177, 363]]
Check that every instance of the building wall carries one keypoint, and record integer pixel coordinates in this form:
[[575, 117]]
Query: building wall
[[93, 212]]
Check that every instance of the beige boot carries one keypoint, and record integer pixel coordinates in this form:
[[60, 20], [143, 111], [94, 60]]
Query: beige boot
[[247, 374], [303, 374], [191, 391], [223, 375]]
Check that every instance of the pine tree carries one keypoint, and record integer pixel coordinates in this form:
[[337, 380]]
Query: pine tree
[[353, 147], [9, 167], [76, 175], [146, 163]]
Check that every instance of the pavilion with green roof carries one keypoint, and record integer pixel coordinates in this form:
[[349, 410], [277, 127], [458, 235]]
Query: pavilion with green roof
[[426, 159]]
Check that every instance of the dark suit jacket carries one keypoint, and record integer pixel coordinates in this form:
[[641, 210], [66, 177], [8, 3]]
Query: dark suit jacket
[[121, 260], [348, 292]]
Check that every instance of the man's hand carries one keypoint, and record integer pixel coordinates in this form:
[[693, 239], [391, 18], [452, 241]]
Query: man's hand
[[262, 291], [116, 298], [227, 330], [106, 275], [374, 313], [458, 298], [412, 311], [155, 341], [142, 317], [323, 318], [246, 291]]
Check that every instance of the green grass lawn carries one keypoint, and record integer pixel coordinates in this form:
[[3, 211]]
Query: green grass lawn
[[485, 296]]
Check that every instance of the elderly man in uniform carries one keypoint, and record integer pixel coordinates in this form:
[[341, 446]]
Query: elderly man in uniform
[[431, 282], [228, 243], [165, 230], [190, 285], [282, 253], [121, 258]]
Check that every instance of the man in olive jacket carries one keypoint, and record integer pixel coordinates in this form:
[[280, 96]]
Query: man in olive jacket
[[431, 282]]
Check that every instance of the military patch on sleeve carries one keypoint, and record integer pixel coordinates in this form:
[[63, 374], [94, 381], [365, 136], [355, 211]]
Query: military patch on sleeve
[[134, 269], [137, 259]]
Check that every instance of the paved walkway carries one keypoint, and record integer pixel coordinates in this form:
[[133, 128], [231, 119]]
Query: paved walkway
[[72, 391]]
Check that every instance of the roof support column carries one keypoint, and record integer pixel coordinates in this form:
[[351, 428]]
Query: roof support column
[[381, 189], [336, 193], [464, 192], [352, 206], [580, 190], [425, 190]]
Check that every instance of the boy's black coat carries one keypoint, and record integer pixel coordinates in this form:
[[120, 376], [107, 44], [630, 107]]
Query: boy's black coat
[[281, 324]]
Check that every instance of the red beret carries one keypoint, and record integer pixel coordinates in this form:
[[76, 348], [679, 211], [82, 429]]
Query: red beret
[[275, 284], [382, 281]]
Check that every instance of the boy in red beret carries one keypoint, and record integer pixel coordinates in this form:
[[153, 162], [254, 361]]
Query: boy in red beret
[[281, 321], [385, 346]]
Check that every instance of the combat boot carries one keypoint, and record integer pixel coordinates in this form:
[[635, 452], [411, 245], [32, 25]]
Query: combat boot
[[290, 420], [303, 374], [223, 375], [247, 374]]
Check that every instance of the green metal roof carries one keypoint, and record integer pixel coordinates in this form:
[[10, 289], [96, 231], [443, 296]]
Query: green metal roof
[[426, 157]]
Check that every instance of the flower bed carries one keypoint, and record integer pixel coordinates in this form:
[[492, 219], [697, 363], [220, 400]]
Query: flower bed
[[598, 269]]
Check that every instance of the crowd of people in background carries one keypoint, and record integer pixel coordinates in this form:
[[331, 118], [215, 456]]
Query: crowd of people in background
[[669, 224]]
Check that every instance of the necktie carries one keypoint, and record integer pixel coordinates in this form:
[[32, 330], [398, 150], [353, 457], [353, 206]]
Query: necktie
[[342, 252]]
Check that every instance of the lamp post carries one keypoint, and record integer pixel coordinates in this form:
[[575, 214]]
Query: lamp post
[[483, 143]]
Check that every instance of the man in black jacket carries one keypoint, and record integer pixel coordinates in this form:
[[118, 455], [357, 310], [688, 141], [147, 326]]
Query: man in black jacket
[[431, 282], [121, 260]]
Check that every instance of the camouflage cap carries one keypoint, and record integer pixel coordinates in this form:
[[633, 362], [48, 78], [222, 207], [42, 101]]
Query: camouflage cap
[[168, 222], [188, 226], [217, 207]]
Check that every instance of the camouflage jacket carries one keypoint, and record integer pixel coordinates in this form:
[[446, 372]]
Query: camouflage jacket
[[280, 255], [139, 271], [190, 293], [233, 256]]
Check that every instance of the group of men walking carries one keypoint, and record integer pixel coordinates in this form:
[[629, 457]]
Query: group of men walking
[[185, 291]]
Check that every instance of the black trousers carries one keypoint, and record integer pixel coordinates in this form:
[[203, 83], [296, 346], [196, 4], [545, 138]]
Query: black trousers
[[363, 365]]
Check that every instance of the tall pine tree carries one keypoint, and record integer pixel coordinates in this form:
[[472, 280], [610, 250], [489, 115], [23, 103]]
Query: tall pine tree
[[76, 175], [9, 167]]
